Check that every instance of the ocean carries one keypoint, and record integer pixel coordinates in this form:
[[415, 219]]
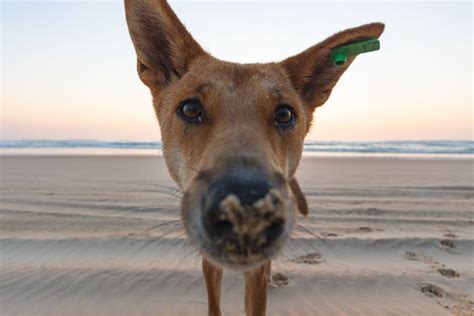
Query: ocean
[[459, 149]]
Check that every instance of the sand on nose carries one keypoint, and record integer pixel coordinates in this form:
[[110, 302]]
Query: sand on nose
[[253, 220]]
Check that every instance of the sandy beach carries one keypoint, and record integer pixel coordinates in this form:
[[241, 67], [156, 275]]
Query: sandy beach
[[101, 235]]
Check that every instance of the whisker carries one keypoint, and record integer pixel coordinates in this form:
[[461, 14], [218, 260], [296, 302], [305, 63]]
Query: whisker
[[178, 193], [315, 235], [159, 225]]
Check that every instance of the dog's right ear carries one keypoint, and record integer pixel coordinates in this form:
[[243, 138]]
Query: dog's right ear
[[164, 47]]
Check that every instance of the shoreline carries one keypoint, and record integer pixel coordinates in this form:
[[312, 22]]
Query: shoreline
[[125, 152]]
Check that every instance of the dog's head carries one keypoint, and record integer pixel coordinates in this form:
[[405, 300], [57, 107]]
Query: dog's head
[[232, 133]]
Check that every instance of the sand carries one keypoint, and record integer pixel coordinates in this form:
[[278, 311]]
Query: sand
[[101, 236]]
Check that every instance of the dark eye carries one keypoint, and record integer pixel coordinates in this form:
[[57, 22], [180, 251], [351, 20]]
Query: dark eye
[[284, 116], [190, 111]]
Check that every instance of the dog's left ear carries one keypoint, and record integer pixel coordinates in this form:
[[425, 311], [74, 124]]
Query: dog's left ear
[[313, 73]]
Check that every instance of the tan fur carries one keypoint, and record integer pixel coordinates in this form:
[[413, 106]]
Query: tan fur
[[299, 196], [239, 101], [213, 278], [256, 290]]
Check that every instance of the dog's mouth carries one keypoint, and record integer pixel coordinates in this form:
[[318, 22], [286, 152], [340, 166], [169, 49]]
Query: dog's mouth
[[239, 221]]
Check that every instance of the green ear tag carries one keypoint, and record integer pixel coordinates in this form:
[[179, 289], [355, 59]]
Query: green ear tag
[[340, 54]]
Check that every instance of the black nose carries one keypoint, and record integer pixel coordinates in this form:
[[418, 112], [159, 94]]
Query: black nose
[[243, 213]]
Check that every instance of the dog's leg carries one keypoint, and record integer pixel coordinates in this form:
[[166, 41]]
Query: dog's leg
[[269, 273], [256, 291], [213, 277]]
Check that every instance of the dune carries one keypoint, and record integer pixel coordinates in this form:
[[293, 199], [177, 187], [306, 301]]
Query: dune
[[101, 235]]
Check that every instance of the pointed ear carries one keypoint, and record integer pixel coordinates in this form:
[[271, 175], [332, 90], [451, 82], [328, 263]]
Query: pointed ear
[[312, 72], [301, 202], [164, 47]]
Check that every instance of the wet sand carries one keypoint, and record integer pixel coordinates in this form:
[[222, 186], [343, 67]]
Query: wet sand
[[101, 236]]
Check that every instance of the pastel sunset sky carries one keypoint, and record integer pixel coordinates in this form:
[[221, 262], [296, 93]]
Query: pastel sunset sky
[[68, 68]]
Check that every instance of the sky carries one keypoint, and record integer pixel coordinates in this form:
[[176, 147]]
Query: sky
[[68, 68]]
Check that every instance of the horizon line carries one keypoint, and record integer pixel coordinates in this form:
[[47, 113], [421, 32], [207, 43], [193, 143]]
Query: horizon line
[[159, 140]]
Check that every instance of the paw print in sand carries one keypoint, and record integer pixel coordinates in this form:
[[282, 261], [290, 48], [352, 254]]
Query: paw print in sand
[[310, 258]]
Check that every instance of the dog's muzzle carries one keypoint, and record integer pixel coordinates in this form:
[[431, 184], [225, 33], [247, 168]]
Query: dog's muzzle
[[244, 215]]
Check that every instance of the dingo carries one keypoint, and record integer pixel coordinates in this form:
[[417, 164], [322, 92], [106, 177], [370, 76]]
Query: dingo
[[232, 139]]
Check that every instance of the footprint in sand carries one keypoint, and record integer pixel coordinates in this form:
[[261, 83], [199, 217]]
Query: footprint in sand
[[446, 272], [449, 273], [458, 303], [365, 229], [447, 243], [441, 268], [415, 256], [310, 258], [278, 280], [433, 290]]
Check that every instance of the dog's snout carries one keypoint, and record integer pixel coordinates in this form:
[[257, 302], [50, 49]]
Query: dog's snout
[[244, 213]]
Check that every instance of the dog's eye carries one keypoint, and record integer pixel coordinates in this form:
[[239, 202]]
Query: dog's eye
[[284, 116], [190, 111]]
